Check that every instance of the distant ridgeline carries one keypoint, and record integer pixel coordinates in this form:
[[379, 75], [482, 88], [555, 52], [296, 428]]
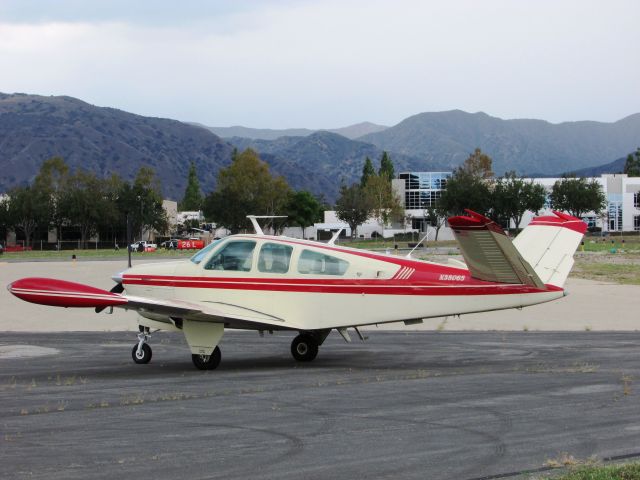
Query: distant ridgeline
[[105, 140]]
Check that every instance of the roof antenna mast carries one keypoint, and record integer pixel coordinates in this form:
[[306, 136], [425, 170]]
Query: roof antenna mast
[[255, 224]]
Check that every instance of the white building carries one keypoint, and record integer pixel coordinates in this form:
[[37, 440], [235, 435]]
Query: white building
[[420, 190], [623, 203]]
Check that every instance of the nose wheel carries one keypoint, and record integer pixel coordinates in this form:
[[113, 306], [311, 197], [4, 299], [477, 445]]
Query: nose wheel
[[141, 352], [304, 347]]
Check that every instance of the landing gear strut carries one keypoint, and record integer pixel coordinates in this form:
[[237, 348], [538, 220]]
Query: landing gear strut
[[207, 362], [141, 352], [304, 347]]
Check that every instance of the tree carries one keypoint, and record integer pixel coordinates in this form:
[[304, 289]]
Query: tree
[[478, 165], [84, 203], [28, 208], [436, 216], [386, 166], [353, 206], [512, 196], [385, 203], [465, 190], [577, 196], [245, 187], [632, 165], [193, 198], [303, 209], [4, 218], [51, 183], [367, 172], [142, 201]]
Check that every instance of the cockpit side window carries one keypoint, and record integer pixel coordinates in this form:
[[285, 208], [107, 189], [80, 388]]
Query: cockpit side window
[[235, 256], [315, 263], [274, 258], [199, 255]]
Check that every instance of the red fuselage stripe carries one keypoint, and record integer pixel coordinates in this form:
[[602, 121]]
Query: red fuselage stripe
[[334, 286]]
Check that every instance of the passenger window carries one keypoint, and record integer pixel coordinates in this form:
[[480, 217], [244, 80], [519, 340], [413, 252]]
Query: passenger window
[[274, 258], [320, 264], [235, 256]]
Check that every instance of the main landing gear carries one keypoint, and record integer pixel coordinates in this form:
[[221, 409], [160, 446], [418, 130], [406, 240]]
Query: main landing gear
[[207, 362], [141, 352], [304, 347]]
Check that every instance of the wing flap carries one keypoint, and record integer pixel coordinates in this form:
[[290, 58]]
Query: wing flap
[[488, 252]]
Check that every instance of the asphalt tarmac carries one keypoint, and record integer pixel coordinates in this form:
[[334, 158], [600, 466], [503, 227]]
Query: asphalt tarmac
[[401, 405]]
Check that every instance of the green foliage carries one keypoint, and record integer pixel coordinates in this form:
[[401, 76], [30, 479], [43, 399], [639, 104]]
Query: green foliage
[[4, 218], [465, 190], [385, 204], [354, 206], [367, 172], [51, 182], [478, 165], [632, 165], [192, 200], [512, 196], [303, 209], [245, 188], [84, 203], [577, 196], [386, 167], [603, 472], [28, 209], [436, 215]]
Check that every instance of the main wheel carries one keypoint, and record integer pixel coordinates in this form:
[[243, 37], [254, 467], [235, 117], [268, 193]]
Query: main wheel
[[207, 362], [304, 347], [144, 356]]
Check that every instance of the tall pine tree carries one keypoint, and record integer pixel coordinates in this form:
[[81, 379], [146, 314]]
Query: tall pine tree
[[193, 199], [367, 171], [386, 167]]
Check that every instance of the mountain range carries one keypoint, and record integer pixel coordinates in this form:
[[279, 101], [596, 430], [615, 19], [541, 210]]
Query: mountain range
[[105, 140], [525, 146], [352, 131]]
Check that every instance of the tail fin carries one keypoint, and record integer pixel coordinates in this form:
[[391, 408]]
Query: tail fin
[[548, 244]]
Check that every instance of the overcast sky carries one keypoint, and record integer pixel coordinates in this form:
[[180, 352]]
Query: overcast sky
[[325, 64]]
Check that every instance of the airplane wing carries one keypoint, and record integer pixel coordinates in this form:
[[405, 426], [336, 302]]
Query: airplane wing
[[489, 253], [61, 293]]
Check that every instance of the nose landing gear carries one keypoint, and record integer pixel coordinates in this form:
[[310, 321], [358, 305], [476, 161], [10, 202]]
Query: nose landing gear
[[141, 352]]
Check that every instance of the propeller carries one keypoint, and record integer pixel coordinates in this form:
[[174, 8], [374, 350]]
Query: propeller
[[117, 288]]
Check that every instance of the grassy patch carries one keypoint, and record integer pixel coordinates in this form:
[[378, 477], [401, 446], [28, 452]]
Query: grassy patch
[[629, 471], [624, 273], [92, 253]]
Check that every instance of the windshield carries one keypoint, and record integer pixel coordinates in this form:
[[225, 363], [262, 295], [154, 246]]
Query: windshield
[[197, 258]]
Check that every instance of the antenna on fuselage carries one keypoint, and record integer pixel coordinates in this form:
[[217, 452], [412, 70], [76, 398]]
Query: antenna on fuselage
[[416, 245], [335, 236], [255, 224]]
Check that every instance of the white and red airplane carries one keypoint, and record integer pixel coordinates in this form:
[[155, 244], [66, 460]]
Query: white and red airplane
[[260, 282]]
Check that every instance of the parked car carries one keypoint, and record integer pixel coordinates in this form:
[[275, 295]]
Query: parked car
[[143, 246]]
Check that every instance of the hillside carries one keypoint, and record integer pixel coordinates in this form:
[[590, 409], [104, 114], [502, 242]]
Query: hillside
[[322, 160], [617, 166], [351, 132], [103, 140], [523, 145]]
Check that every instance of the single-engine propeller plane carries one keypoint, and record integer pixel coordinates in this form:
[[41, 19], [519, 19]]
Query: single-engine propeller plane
[[267, 283]]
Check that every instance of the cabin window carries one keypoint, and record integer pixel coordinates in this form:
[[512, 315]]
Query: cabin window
[[274, 258], [315, 263], [197, 258], [234, 256]]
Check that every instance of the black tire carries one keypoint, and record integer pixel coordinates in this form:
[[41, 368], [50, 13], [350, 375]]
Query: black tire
[[211, 363], [304, 347], [145, 354]]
